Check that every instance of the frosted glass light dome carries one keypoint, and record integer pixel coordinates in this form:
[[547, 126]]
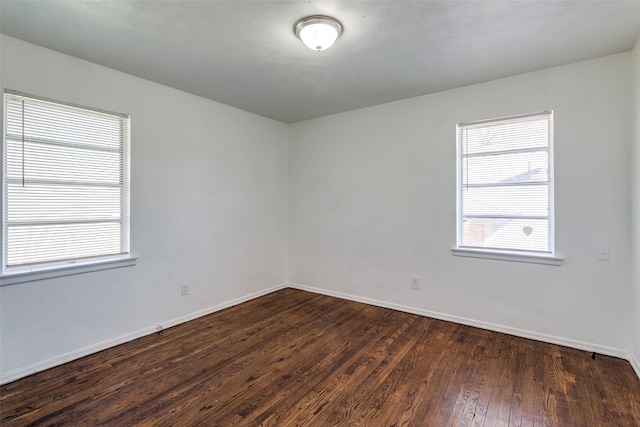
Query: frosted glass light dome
[[318, 32]]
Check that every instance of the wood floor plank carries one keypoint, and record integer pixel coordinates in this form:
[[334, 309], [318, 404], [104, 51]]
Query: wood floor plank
[[293, 358], [260, 390]]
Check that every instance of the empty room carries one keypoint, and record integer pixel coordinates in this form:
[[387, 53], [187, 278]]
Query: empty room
[[320, 213]]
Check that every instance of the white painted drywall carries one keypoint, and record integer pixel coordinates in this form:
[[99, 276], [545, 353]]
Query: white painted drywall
[[372, 202], [208, 207], [635, 199]]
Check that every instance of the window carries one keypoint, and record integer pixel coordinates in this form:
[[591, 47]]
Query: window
[[65, 187], [505, 185]]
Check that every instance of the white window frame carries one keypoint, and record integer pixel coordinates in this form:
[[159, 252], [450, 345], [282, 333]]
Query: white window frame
[[506, 254], [12, 274]]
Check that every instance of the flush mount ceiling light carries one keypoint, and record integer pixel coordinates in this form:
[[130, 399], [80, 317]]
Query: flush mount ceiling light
[[318, 32]]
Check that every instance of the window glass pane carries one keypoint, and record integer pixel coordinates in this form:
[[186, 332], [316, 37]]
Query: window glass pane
[[46, 203], [513, 134], [514, 167], [61, 163], [532, 200], [505, 233], [64, 124], [44, 243]]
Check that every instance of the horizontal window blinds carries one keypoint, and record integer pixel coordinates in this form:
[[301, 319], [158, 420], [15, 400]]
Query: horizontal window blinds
[[66, 182], [505, 184]]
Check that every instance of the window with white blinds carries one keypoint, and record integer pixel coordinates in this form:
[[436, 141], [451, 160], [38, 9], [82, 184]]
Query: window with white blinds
[[65, 184], [505, 184]]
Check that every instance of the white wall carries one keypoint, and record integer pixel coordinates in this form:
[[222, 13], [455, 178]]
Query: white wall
[[208, 191], [635, 198], [371, 196], [372, 201]]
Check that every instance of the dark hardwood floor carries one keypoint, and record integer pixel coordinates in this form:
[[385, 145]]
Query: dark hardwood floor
[[293, 358]]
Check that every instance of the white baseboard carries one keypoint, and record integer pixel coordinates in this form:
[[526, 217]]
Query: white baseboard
[[15, 374], [635, 363], [6, 377], [567, 342]]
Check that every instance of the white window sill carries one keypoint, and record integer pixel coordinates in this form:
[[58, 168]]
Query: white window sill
[[508, 256], [13, 278]]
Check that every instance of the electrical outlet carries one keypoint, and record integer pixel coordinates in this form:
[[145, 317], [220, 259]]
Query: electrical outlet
[[184, 289], [415, 282], [602, 253]]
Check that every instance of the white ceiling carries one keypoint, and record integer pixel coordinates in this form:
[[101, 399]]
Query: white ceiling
[[245, 54]]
